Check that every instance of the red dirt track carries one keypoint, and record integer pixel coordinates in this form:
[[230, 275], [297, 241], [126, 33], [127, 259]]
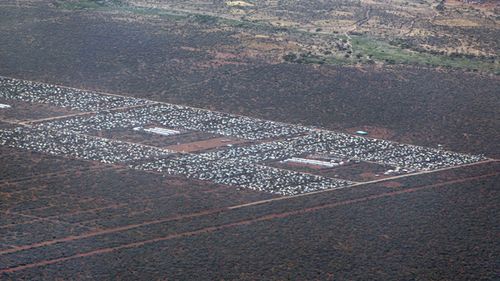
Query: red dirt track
[[219, 219]]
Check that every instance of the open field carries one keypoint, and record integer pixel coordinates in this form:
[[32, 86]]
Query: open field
[[173, 140], [204, 145], [24, 111], [354, 171]]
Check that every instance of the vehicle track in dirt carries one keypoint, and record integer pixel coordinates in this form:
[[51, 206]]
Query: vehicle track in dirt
[[248, 221]]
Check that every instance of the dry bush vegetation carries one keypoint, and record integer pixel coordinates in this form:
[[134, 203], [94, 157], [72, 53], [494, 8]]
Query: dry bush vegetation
[[453, 34], [91, 218], [237, 67]]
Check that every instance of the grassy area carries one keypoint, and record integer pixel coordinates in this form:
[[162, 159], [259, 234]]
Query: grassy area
[[117, 5], [365, 49], [372, 50], [88, 4], [382, 51], [153, 12]]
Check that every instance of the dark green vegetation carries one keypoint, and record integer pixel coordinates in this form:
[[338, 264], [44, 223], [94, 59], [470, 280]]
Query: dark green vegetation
[[375, 49], [367, 50]]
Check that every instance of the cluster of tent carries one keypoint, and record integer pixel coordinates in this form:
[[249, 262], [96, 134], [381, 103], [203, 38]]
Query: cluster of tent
[[240, 165], [253, 176], [339, 145], [68, 144], [181, 118], [75, 99]]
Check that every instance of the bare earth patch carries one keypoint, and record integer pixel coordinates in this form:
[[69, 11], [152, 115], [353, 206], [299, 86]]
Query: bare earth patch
[[203, 144], [393, 184], [374, 132]]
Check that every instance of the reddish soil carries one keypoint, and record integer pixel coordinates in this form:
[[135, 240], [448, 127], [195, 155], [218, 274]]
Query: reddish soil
[[378, 217], [25, 111], [64, 219], [202, 145], [374, 132], [305, 166], [359, 172], [152, 139], [392, 184]]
